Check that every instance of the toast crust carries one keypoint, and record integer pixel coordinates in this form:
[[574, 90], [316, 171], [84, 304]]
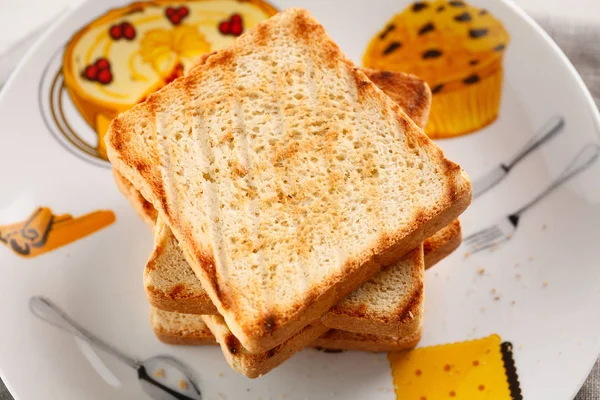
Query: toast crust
[[144, 209], [180, 329], [340, 340], [442, 244], [197, 334], [410, 92], [254, 365], [143, 164], [398, 319], [186, 295]]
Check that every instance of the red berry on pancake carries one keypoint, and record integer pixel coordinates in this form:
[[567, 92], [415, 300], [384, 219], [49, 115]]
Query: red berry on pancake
[[225, 27], [115, 32], [175, 19], [183, 11], [170, 12], [237, 29], [236, 19], [102, 63], [91, 72], [128, 31], [104, 77]]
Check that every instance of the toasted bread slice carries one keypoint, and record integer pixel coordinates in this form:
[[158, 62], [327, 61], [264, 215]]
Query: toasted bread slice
[[180, 291], [183, 329], [254, 365], [390, 303], [172, 285], [144, 209], [190, 330], [348, 183], [342, 340], [442, 244], [410, 92], [171, 288]]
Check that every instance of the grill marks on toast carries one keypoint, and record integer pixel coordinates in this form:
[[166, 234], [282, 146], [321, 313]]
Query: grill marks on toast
[[398, 232], [389, 304], [367, 170], [255, 364], [204, 151], [242, 144]]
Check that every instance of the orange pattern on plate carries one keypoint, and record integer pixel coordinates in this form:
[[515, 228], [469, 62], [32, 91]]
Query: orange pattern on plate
[[43, 231]]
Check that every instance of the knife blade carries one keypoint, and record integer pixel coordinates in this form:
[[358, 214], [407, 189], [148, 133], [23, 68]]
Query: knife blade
[[548, 131], [489, 180]]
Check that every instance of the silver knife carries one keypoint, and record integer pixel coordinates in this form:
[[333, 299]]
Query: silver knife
[[496, 175]]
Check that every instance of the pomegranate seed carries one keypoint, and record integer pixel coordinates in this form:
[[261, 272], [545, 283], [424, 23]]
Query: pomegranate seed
[[225, 27], [237, 29], [236, 19], [102, 63], [170, 12], [175, 19], [183, 12], [105, 77], [115, 32], [91, 72], [128, 31]]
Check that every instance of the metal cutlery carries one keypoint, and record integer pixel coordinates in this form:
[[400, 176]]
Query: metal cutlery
[[496, 175], [505, 228], [155, 388]]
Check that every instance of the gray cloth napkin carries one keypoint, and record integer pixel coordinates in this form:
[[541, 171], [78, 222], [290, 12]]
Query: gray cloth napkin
[[581, 43]]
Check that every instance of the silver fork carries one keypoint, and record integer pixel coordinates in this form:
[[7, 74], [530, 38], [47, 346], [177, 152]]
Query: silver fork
[[505, 228]]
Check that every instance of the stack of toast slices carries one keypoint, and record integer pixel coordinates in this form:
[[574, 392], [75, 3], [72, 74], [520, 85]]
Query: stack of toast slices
[[294, 198]]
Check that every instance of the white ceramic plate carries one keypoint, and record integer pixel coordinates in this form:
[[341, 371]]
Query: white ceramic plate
[[540, 290]]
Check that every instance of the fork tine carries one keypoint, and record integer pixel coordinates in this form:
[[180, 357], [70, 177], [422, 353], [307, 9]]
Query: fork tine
[[482, 233], [486, 242], [489, 244], [489, 235]]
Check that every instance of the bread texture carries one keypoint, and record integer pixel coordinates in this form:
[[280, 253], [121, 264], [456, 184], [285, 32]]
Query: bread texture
[[181, 329], [190, 330], [390, 303], [442, 244], [254, 365], [341, 340], [286, 175], [410, 92], [144, 209]]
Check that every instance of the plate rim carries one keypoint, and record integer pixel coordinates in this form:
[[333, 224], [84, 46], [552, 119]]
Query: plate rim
[[509, 4]]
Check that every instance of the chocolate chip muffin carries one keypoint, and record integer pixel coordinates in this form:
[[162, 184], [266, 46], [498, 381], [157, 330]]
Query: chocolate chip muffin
[[458, 49]]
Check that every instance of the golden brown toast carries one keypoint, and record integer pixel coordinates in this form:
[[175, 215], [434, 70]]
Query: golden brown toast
[[171, 288], [171, 285], [335, 151], [191, 330]]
